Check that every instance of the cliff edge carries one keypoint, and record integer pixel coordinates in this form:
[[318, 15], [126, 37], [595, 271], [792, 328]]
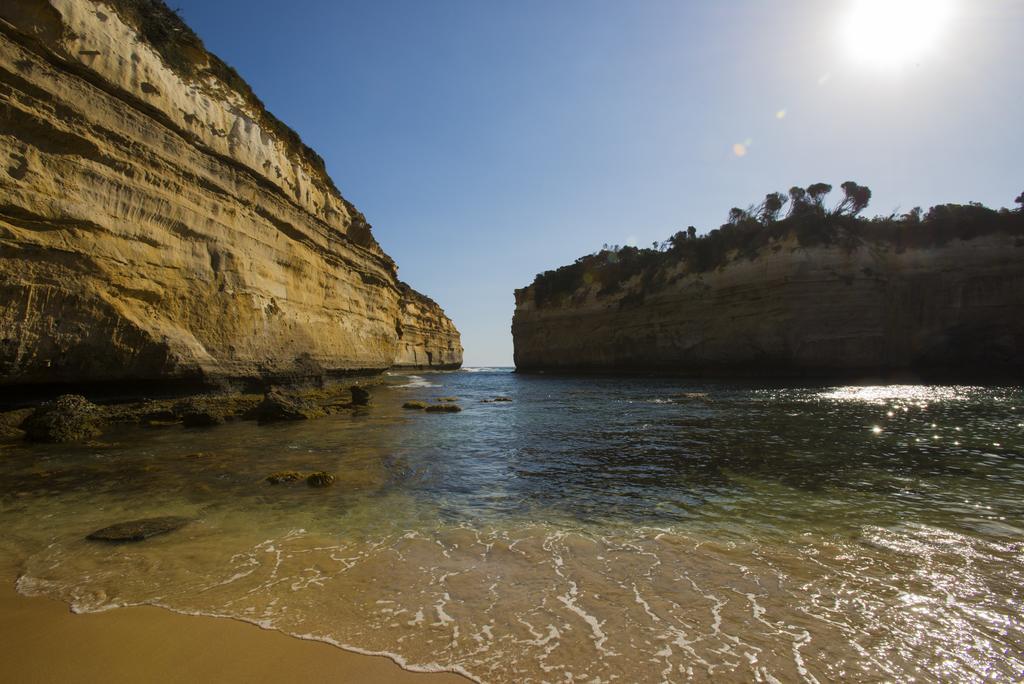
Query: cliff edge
[[156, 222], [817, 293]]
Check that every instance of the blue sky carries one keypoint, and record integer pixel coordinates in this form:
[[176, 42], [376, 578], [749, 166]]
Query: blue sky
[[489, 141]]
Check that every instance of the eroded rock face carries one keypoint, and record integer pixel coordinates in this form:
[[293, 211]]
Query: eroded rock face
[[427, 339], [157, 223], [873, 307]]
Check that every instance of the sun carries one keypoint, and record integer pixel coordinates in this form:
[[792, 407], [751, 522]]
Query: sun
[[893, 33]]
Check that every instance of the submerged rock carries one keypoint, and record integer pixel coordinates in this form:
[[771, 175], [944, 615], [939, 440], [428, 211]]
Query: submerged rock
[[69, 418], [320, 479], [284, 477], [138, 530], [360, 395], [443, 408], [447, 399], [495, 400], [415, 405], [279, 406]]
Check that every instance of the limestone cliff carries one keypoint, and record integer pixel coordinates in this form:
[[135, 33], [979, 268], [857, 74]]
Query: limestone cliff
[[426, 338], [156, 222], [851, 305]]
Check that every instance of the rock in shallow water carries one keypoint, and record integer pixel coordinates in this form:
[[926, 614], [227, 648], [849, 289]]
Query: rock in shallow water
[[420, 405], [320, 480], [443, 408], [360, 396], [199, 412], [284, 477], [69, 418], [279, 406], [138, 530]]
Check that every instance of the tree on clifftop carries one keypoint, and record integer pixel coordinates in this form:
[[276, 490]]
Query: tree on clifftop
[[1020, 200], [737, 215], [817, 192], [773, 203], [855, 199], [797, 200]]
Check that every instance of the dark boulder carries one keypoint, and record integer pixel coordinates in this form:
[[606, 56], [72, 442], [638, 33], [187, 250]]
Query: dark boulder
[[69, 418], [360, 395], [277, 405], [320, 480], [138, 530]]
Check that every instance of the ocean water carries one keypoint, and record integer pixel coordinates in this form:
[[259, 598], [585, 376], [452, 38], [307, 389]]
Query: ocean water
[[592, 529]]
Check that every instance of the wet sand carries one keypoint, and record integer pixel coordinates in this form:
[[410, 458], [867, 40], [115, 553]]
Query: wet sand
[[42, 641]]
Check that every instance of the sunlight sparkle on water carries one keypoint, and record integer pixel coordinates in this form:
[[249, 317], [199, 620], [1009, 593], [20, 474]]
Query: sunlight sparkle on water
[[916, 395]]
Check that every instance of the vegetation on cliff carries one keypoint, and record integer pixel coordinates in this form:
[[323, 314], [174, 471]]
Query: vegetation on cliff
[[801, 213]]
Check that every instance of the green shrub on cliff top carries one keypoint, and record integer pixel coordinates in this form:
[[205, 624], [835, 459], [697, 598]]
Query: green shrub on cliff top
[[747, 231]]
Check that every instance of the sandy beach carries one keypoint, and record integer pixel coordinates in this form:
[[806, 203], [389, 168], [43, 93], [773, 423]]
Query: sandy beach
[[42, 641]]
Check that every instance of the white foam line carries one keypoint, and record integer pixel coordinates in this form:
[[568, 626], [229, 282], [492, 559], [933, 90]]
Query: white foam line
[[646, 606], [234, 578], [443, 617], [394, 657], [569, 600], [799, 643], [549, 643]]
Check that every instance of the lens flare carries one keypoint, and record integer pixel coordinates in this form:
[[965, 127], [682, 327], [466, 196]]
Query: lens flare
[[893, 33]]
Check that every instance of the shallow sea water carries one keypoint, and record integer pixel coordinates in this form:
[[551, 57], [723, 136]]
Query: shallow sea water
[[593, 529]]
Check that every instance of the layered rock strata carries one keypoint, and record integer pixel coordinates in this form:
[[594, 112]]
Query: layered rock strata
[[852, 308], [426, 337], [156, 222]]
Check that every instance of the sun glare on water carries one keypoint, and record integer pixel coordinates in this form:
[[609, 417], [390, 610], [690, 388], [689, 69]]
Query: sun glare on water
[[894, 33]]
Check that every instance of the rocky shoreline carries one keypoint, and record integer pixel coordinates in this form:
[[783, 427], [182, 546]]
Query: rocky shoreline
[[68, 418], [73, 418]]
